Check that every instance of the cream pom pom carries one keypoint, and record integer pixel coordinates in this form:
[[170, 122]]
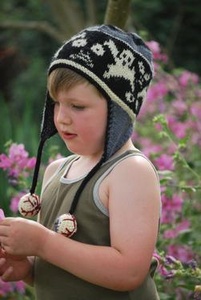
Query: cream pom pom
[[29, 205], [66, 224]]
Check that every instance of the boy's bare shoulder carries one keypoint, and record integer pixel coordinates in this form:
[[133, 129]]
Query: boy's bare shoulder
[[52, 168], [135, 176], [137, 165], [56, 164]]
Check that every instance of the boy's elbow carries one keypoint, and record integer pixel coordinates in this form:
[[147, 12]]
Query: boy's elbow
[[130, 283]]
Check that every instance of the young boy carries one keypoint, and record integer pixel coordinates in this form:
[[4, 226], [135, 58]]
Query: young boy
[[97, 82]]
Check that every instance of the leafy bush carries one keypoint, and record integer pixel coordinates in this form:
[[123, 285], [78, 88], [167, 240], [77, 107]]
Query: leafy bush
[[169, 133]]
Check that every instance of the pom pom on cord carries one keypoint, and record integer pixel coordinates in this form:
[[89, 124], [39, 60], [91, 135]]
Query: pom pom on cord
[[66, 225], [29, 205]]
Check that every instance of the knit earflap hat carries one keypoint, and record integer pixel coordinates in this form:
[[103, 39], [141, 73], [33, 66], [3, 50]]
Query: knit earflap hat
[[120, 65]]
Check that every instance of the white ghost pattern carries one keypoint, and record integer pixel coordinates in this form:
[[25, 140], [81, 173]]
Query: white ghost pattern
[[123, 62]]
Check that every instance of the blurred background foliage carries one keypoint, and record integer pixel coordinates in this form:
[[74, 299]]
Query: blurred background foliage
[[176, 25]]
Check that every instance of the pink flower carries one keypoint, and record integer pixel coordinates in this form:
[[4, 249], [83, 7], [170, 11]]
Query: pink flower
[[20, 287], [17, 152], [182, 253], [157, 91], [1, 214], [148, 147], [31, 163], [165, 162], [154, 46], [17, 162], [14, 202], [173, 233], [5, 288], [172, 207], [156, 50], [9, 287], [5, 162], [195, 110], [165, 272], [187, 77], [178, 128], [180, 106]]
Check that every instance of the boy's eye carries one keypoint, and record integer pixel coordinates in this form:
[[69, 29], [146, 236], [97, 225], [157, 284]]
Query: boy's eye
[[78, 107]]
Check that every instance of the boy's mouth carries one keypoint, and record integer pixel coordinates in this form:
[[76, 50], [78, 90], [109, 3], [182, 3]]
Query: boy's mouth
[[68, 135]]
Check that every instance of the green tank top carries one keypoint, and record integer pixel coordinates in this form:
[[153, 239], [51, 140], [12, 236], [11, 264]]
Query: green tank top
[[53, 283]]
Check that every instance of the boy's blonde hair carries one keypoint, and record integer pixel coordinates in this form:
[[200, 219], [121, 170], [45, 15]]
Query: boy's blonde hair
[[62, 79]]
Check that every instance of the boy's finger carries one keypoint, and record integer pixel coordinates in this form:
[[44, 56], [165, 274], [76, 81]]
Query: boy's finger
[[2, 261], [6, 274]]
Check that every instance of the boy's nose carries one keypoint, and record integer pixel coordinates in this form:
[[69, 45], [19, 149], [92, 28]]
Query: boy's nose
[[63, 115]]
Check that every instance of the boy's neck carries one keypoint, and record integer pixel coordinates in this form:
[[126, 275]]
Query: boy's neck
[[84, 164]]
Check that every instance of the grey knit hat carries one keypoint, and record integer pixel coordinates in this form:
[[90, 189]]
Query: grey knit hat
[[120, 65]]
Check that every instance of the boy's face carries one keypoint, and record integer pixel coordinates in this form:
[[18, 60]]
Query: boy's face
[[80, 116]]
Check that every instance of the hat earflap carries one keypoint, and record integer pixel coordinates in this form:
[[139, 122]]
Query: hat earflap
[[29, 204]]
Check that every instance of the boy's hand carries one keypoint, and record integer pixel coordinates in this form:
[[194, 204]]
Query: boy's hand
[[19, 236], [14, 268]]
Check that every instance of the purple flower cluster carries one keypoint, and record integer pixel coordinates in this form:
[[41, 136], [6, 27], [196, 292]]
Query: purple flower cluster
[[182, 252], [2, 216], [17, 163], [176, 96], [18, 166], [172, 206], [170, 267], [179, 228], [15, 200], [7, 288]]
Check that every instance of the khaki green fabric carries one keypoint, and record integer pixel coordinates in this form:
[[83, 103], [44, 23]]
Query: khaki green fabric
[[53, 283]]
